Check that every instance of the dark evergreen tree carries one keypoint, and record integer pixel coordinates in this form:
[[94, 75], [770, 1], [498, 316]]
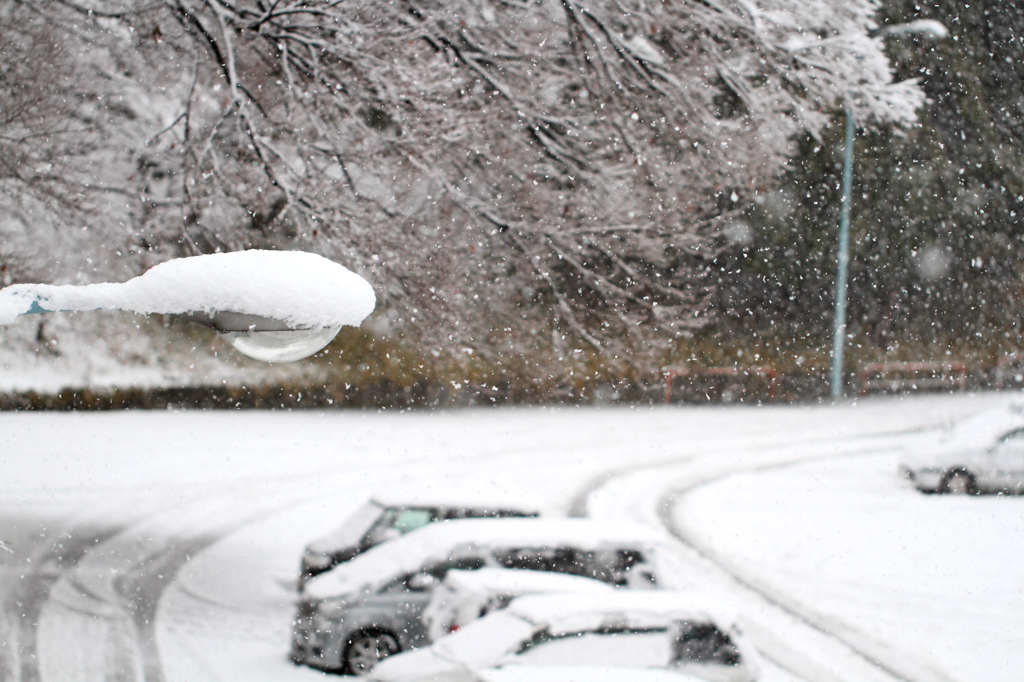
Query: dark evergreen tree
[[937, 232]]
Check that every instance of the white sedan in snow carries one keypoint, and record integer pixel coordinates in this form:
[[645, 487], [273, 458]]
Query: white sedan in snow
[[653, 630], [984, 454]]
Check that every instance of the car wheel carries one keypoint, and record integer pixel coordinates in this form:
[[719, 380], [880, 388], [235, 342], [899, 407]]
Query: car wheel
[[366, 648], [959, 482]]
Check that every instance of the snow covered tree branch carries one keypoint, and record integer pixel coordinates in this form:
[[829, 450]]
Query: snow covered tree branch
[[527, 168]]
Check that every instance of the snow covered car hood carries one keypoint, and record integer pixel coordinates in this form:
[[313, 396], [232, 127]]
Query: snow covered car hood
[[441, 541], [464, 596]]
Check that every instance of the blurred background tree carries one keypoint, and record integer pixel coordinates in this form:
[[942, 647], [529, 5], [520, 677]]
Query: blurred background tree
[[937, 231]]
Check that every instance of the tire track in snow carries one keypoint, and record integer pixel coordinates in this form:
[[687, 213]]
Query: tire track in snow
[[118, 578], [129, 597], [142, 588], [123, 608], [645, 494], [891, 661], [580, 501], [123, 577], [395, 468], [30, 590]]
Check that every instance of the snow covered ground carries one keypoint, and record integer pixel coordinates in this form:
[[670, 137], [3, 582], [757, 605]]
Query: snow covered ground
[[940, 575], [163, 545]]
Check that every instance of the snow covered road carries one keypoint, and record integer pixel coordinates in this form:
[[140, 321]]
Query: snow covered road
[[939, 578], [796, 636], [163, 546]]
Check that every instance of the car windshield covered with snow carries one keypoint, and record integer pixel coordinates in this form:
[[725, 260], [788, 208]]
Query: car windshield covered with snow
[[676, 631], [373, 605], [464, 596], [384, 518]]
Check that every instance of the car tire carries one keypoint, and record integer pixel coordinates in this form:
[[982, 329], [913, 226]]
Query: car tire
[[364, 649], [959, 482]]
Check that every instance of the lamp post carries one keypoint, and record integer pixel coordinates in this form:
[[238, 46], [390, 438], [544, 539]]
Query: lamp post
[[275, 306], [842, 262], [927, 28]]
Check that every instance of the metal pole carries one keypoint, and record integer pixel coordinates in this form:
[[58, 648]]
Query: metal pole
[[843, 258]]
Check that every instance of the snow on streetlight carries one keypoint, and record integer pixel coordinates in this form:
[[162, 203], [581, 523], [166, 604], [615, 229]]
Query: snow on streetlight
[[924, 28], [275, 306], [928, 28]]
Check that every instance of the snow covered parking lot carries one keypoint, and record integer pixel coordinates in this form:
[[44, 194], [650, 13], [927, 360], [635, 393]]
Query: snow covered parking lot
[[940, 575], [165, 545]]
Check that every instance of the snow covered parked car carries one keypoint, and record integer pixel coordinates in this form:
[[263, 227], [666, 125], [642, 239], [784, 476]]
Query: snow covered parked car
[[372, 605], [383, 518], [464, 596], [675, 631], [984, 454]]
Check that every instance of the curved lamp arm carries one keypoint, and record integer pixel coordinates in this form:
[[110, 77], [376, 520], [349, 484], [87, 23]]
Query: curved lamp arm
[[276, 306]]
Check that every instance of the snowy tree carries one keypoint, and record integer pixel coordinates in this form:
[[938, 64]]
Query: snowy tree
[[511, 174]]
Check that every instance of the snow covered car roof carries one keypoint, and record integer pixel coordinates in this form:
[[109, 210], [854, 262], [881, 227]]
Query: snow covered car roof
[[444, 500], [569, 612], [520, 581], [988, 425], [440, 541], [976, 433]]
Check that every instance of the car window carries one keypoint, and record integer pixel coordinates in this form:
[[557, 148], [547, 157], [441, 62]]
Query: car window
[[1011, 443], [630, 648], [556, 559], [395, 522], [437, 571], [696, 642], [410, 519], [610, 566], [440, 569], [476, 513]]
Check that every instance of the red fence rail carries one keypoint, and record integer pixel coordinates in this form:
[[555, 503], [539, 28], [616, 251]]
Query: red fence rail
[[896, 376]]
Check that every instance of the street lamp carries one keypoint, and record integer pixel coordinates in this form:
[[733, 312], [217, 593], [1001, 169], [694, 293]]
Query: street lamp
[[842, 261], [925, 28], [275, 306]]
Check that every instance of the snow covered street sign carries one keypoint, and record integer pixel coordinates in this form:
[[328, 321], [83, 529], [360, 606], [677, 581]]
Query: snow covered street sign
[[276, 306]]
